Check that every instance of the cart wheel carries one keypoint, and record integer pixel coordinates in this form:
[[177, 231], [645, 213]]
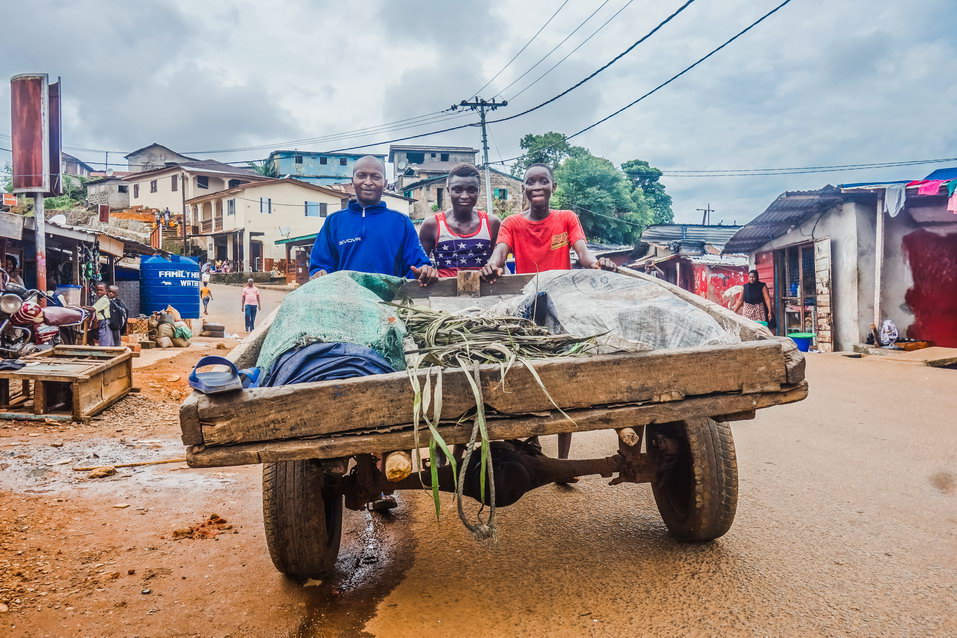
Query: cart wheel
[[697, 493], [302, 517]]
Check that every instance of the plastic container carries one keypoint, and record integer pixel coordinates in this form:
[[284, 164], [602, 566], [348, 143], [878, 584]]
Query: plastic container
[[170, 282], [763, 323], [802, 339]]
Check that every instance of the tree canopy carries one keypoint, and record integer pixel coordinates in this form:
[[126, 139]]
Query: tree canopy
[[548, 148], [614, 204]]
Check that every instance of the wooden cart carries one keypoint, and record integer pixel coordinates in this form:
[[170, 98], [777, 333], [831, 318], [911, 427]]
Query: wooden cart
[[319, 442]]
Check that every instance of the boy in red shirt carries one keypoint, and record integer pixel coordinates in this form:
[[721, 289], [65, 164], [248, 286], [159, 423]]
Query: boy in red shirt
[[540, 237]]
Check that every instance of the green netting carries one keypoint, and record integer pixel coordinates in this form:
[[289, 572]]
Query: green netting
[[345, 306]]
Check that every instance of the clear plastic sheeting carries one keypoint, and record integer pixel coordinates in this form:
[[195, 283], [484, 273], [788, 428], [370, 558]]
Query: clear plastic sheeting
[[342, 307], [632, 314]]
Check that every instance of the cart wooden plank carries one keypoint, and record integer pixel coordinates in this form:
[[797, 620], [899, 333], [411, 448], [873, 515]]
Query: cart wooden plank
[[294, 411], [733, 406]]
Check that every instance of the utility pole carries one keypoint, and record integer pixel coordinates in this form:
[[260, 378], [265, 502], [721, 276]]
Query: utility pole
[[482, 106], [706, 214]]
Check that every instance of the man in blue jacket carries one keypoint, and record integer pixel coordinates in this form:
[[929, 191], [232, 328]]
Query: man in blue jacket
[[369, 237]]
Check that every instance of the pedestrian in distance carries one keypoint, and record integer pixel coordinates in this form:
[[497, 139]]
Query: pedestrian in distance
[[754, 302], [101, 308], [252, 303], [463, 237], [654, 271], [540, 237], [367, 236], [13, 270], [206, 295], [119, 314]]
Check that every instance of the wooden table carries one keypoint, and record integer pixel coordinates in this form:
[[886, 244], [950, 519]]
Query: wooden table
[[88, 379]]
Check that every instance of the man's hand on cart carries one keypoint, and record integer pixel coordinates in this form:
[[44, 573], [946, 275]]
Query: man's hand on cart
[[425, 274]]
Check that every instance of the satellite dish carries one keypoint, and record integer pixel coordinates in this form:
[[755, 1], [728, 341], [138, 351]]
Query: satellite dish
[[59, 220], [402, 164], [284, 231], [109, 172]]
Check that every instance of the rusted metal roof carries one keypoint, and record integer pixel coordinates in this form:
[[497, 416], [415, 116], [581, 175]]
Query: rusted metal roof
[[787, 211]]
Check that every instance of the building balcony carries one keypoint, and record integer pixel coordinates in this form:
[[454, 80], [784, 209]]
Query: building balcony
[[219, 222], [206, 226]]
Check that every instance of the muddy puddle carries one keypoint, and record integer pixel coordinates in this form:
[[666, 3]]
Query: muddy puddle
[[375, 554], [47, 467]]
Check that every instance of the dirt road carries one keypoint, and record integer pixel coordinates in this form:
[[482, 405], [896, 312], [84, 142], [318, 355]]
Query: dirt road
[[846, 526]]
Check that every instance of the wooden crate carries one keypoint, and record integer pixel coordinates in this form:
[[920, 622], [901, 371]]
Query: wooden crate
[[67, 383]]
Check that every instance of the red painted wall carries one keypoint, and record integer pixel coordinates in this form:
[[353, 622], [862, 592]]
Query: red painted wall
[[933, 297], [710, 282]]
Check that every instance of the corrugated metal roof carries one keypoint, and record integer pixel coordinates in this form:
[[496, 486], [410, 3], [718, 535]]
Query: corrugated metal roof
[[943, 173], [784, 213], [720, 260], [710, 234]]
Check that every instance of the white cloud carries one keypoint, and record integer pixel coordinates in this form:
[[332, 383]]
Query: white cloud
[[845, 82]]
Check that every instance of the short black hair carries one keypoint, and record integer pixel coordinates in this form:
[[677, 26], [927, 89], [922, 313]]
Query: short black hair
[[755, 273], [465, 170], [13, 258], [540, 165]]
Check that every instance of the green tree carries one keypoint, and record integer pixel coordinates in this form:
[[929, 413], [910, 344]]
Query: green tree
[[644, 179], [610, 209], [548, 148], [264, 168]]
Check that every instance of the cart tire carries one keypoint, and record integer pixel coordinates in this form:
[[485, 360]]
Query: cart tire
[[302, 517], [697, 496]]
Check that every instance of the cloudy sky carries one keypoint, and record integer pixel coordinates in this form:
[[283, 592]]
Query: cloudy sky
[[818, 83]]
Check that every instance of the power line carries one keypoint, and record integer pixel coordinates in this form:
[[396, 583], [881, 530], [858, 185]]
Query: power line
[[547, 22], [686, 70], [534, 108], [660, 86], [805, 168], [582, 43], [543, 58]]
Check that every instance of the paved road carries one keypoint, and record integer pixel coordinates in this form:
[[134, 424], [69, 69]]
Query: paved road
[[225, 308], [846, 526]]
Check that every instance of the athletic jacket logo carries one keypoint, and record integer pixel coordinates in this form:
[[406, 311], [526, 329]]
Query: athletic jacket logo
[[351, 240]]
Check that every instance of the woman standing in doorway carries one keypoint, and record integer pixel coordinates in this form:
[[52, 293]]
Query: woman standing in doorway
[[252, 303], [754, 302]]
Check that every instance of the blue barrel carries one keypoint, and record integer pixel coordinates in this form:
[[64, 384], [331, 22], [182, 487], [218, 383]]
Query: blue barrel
[[170, 282]]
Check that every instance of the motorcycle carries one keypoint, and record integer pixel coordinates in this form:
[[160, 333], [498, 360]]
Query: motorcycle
[[26, 326]]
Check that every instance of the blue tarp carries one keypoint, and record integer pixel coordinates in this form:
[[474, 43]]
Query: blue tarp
[[943, 173]]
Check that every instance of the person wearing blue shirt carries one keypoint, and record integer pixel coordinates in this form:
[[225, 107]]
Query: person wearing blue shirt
[[367, 236]]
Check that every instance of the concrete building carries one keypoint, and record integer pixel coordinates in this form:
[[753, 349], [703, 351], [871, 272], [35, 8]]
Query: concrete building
[[839, 259], [315, 168], [415, 163], [111, 190], [74, 166], [154, 156], [431, 194], [170, 186], [243, 223]]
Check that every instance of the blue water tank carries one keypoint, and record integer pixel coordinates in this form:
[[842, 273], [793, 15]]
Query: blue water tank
[[170, 282]]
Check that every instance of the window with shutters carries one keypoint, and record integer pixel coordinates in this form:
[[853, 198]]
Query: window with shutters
[[323, 160], [154, 186], [323, 209], [202, 181], [312, 209], [174, 182], [123, 189], [342, 161], [230, 206], [136, 191], [298, 159], [445, 157], [265, 205]]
